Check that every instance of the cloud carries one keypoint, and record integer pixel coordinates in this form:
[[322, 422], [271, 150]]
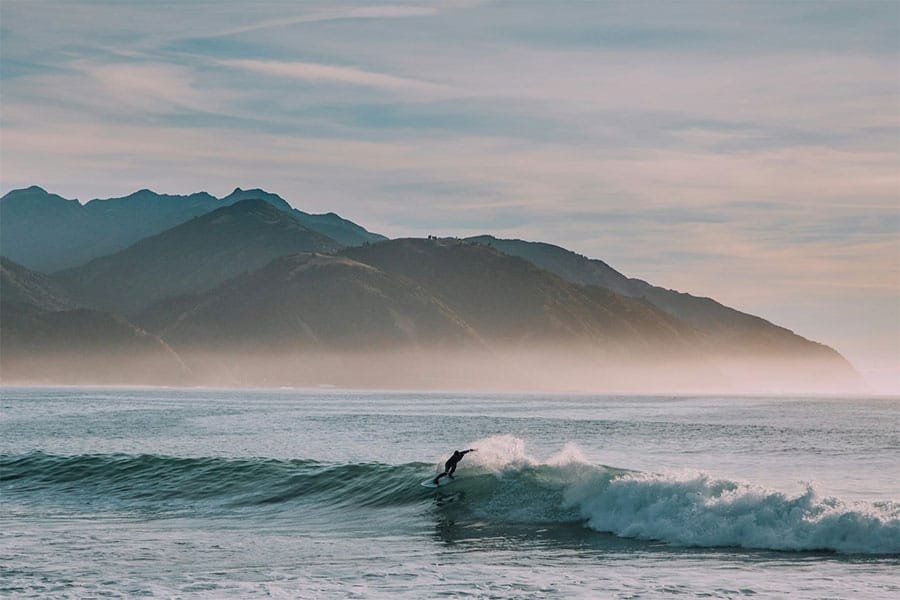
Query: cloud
[[360, 12], [315, 72], [153, 88]]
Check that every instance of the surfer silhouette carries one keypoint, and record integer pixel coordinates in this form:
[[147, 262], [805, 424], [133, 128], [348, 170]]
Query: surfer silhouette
[[450, 465]]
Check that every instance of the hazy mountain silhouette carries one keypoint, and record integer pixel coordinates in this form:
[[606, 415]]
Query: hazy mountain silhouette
[[81, 346], [23, 286], [48, 233], [193, 257], [47, 336], [229, 291], [309, 301], [431, 312], [477, 292], [510, 301], [722, 326]]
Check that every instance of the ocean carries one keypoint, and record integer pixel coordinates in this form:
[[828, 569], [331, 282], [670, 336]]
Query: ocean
[[205, 493]]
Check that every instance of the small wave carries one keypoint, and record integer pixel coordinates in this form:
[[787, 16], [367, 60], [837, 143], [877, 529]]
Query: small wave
[[232, 481]]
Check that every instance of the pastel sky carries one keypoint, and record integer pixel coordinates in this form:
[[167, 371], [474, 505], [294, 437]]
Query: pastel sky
[[747, 151]]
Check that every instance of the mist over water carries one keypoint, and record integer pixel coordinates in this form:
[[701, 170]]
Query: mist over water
[[565, 368], [243, 493]]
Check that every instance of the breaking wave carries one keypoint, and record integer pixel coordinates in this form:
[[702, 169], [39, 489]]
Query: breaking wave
[[499, 484]]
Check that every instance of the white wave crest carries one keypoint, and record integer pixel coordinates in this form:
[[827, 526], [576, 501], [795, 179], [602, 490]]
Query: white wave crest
[[700, 511], [690, 510]]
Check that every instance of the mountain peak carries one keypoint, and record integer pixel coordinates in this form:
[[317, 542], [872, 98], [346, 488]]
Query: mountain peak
[[142, 195], [30, 191], [241, 194], [33, 199], [257, 206], [194, 256]]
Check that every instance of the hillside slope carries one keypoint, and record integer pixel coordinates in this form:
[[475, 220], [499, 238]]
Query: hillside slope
[[511, 302], [81, 346], [723, 329], [23, 286], [193, 257], [308, 301]]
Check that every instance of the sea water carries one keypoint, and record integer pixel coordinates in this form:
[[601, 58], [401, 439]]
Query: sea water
[[316, 494]]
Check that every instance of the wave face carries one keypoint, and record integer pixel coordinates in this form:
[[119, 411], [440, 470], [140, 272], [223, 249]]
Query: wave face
[[148, 479], [499, 484]]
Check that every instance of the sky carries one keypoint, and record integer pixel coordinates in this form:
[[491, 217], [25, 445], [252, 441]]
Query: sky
[[746, 151]]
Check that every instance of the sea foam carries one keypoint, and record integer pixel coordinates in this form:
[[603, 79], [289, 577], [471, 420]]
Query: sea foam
[[690, 510]]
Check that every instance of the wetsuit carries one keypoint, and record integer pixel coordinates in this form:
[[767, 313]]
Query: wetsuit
[[450, 465]]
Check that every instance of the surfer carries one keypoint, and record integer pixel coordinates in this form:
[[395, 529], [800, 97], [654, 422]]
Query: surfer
[[450, 465]]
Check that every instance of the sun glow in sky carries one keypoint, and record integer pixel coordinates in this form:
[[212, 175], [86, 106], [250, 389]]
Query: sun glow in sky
[[747, 151]]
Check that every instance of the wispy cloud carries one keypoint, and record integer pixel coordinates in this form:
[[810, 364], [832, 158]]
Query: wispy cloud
[[359, 12], [315, 72], [147, 87]]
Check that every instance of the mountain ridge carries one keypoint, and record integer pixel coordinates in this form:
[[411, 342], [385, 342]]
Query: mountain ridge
[[48, 233], [706, 314], [193, 256]]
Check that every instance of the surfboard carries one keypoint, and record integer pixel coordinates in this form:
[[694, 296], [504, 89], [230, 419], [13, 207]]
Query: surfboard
[[444, 482]]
